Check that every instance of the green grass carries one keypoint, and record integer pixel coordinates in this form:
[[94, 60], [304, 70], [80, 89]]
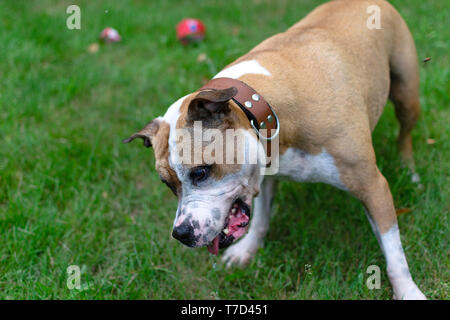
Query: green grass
[[72, 193]]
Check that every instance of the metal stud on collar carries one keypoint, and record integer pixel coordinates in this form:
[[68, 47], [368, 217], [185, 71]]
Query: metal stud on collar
[[248, 104], [276, 132], [255, 97]]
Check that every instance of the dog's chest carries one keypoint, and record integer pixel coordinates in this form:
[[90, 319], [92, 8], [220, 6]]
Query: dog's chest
[[303, 167]]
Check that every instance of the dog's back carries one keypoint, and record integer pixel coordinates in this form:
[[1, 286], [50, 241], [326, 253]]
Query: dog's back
[[338, 42]]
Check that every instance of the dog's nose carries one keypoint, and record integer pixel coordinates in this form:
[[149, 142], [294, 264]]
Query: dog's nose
[[184, 233]]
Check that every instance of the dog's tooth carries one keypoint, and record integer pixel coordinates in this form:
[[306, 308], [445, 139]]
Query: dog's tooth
[[225, 231]]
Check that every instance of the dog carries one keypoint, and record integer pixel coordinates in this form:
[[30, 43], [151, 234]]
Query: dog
[[321, 87]]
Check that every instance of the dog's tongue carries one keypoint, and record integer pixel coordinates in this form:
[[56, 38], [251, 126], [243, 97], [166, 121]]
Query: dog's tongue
[[213, 247]]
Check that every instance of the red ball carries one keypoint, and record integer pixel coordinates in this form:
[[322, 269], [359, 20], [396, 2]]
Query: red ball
[[190, 30], [110, 35]]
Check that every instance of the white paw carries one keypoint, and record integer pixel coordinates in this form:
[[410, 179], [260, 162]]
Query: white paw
[[241, 253], [415, 177], [411, 293]]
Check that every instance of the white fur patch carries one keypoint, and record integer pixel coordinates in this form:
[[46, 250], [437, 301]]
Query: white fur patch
[[397, 267], [171, 117], [173, 113], [242, 68], [303, 167]]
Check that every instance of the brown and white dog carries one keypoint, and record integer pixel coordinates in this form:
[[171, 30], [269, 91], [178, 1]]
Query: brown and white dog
[[328, 79]]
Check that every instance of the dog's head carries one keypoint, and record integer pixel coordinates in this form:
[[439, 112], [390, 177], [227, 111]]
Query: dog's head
[[208, 155]]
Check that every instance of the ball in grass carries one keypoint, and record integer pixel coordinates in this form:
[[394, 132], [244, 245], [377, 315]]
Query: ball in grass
[[110, 35], [190, 30]]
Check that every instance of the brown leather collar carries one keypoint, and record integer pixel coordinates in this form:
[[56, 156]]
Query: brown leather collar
[[261, 116]]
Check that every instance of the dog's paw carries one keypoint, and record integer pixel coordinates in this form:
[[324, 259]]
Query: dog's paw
[[412, 293], [241, 253], [415, 177]]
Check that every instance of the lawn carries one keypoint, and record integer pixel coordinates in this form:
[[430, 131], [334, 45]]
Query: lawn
[[72, 194]]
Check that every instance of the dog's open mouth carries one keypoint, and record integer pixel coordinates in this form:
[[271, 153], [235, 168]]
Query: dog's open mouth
[[236, 225]]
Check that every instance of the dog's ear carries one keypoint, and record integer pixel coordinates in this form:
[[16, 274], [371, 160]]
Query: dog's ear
[[210, 102], [146, 134]]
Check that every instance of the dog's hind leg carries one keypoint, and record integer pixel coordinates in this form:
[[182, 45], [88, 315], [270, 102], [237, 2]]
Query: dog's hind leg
[[404, 91], [245, 249], [365, 181]]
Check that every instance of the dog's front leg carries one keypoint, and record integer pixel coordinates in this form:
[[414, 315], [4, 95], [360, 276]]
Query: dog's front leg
[[244, 250]]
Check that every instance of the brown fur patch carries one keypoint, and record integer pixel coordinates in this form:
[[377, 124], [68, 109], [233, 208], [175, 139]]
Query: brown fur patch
[[235, 119], [161, 148]]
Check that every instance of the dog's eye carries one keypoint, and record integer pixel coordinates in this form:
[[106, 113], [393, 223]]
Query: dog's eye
[[199, 174]]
